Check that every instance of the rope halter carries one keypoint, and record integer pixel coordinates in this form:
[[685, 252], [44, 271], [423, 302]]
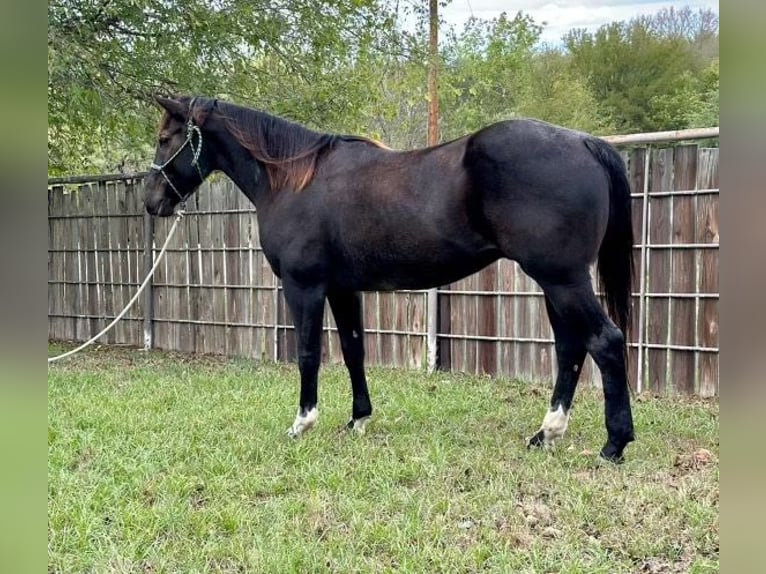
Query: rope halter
[[191, 130]]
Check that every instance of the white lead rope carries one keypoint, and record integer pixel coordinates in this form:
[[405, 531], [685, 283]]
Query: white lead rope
[[92, 340]]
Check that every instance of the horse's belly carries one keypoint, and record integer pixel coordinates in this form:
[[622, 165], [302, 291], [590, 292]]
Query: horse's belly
[[390, 271]]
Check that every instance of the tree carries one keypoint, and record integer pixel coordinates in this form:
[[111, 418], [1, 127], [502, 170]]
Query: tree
[[485, 71], [700, 27], [557, 94], [646, 72], [349, 66], [702, 111], [105, 58]]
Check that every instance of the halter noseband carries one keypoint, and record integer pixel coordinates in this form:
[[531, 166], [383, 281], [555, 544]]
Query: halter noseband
[[191, 129]]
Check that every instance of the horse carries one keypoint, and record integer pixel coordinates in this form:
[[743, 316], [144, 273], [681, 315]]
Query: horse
[[339, 215]]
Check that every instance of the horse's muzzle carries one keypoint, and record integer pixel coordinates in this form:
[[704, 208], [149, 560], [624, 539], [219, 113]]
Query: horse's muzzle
[[155, 197], [160, 209]]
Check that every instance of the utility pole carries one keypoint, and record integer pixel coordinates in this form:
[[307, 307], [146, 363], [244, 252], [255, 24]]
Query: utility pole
[[432, 340], [433, 73]]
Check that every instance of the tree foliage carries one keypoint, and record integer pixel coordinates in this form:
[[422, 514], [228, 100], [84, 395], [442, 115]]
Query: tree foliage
[[486, 70], [105, 58], [352, 66], [648, 73]]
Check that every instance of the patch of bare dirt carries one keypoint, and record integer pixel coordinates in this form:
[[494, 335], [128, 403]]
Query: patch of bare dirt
[[661, 566], [198, 498], [83, 460], [698, 460], [515, 536]]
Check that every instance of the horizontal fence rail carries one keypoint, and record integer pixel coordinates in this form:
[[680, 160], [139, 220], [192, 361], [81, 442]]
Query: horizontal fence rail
[[215, 292]]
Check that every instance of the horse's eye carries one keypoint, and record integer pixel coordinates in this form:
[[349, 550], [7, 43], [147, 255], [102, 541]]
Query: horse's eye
[[164, 140]]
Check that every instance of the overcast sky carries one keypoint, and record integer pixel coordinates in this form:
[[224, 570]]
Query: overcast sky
[[560, 16]]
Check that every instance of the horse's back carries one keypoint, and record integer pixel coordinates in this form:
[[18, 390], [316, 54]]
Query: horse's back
[[519, 142], [380, 219]]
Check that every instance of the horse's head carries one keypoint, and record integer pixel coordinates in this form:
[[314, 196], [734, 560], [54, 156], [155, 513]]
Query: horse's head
[[180, 159]]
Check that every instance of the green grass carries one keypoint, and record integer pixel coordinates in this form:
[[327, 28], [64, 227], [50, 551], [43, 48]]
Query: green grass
[[165, 463]]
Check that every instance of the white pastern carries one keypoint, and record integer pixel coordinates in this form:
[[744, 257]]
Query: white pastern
[[303, 423], [554, 425], [360, 425]]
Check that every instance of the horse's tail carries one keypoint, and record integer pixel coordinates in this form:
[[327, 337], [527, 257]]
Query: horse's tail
[[615, 256]]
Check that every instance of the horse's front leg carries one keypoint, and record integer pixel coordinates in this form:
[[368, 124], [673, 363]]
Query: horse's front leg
[[306, 303]]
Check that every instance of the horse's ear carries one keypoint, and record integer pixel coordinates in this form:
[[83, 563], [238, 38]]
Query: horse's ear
[[173, 107], [202, 109]]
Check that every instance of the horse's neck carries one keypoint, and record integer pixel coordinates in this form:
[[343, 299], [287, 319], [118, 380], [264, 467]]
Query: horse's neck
[[246, 173]]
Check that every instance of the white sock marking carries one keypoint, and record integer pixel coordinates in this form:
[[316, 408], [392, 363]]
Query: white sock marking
[[360, 425], [554, 424], [302, 424]]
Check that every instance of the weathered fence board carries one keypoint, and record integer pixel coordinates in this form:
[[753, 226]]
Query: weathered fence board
[[658, 264], [682, 262], [635, 162], [707, 233], [215, 292]]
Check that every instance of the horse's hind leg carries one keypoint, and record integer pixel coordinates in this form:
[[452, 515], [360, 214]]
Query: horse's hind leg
[[577, 307], [347, 310], [570, 355], [307, 307]]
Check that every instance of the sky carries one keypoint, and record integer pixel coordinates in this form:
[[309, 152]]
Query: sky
[[560, 16]]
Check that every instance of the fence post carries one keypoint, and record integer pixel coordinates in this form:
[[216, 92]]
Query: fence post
[[148, 292], [642, 271], [277, 321], [432, 297], [445, 328], [432, 339]]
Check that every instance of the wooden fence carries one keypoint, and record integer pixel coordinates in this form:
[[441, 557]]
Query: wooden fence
[[215, 293]]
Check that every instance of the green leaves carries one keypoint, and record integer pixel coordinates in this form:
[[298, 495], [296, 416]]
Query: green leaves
[[351, 66], [105, 58], [647, 73]]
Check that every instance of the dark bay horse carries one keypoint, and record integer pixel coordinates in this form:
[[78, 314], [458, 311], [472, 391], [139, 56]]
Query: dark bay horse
[[342, 214]]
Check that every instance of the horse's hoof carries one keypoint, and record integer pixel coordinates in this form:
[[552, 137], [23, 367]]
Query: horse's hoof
[[612, 453], [553, 428], [538, 440], [358, 426], [304, 421]]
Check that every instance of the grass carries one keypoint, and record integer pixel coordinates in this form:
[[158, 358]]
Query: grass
[[165, 463]]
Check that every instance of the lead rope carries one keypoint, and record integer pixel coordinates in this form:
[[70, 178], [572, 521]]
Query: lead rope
[[179, 217]]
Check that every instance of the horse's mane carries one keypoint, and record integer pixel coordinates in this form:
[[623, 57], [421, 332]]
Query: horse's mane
[[288, 150], [370, 141]]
